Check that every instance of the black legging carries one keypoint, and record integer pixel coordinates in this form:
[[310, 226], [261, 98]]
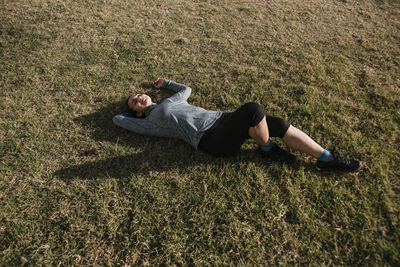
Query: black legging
[[229, 132]]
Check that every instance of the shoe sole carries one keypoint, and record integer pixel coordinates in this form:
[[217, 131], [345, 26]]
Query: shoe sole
[[324, 172]]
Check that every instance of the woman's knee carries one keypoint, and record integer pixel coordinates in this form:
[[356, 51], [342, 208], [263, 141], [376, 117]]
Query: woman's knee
[[252, 107], [254, 112], [277, 127]]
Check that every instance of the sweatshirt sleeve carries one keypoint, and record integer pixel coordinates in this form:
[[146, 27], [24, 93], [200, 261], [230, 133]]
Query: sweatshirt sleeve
[[182, 92], [140, 126]]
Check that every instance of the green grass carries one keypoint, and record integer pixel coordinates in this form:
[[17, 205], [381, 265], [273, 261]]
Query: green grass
[[76, 190]]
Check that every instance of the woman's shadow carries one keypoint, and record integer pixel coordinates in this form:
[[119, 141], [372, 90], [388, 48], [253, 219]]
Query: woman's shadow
[[154, 154]]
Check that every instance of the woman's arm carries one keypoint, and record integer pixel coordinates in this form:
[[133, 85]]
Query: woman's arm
[[182, 91], [140, 126]]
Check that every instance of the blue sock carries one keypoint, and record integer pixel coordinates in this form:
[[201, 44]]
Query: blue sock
[[269, 146], [326, 156]]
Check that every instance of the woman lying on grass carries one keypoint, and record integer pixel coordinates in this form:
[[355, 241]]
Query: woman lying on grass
[[221, 134]]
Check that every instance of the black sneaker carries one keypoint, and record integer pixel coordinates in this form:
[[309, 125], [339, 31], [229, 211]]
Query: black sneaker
[[339, 164], [278, 154]]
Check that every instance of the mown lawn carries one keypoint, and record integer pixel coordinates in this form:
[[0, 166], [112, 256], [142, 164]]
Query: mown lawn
[[76, 190]]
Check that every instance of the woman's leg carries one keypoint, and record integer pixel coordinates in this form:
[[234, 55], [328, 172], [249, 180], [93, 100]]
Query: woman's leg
[[260, 133], [294, 138], [298, 140]]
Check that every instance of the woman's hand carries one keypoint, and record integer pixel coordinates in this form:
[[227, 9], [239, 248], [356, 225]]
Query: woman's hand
[[158, 83]]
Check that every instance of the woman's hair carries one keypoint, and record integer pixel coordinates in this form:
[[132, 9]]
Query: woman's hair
[[133, 113]]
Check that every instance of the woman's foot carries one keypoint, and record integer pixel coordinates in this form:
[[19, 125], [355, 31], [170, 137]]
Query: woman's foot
[[339, 164], [278, 154]]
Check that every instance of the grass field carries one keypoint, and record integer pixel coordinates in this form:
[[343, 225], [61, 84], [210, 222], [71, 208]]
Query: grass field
[[77, 190]]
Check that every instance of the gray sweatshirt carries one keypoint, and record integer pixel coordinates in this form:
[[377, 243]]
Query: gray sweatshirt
[[173, 117]]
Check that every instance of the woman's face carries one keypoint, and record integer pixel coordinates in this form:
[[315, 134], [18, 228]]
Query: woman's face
[[139, 102]]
